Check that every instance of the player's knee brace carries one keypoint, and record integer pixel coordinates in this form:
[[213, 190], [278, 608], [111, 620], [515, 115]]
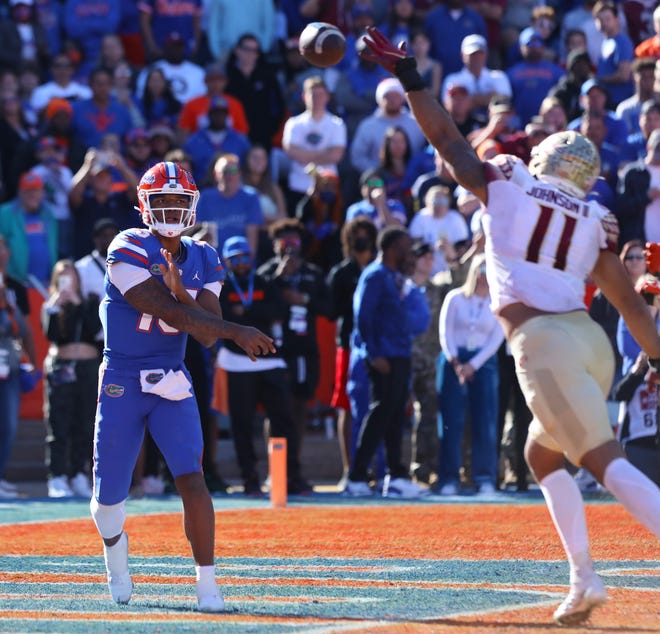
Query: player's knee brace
[[109, 520]]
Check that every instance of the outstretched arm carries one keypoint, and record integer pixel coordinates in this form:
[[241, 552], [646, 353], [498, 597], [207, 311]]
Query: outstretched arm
[[432, 118]]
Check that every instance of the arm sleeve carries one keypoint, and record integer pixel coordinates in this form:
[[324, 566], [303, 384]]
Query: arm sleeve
[[125, 276], [491, 346], [366, 314], [447, 318]]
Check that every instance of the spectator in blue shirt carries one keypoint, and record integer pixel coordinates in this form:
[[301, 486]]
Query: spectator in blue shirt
[[532, 79], [204, 145], [385, 325], [447, 25], [616, 53], [232, 207]]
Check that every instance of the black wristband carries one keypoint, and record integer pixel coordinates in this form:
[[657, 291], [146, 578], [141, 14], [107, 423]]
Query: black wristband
[[406, 71], [655, 365]]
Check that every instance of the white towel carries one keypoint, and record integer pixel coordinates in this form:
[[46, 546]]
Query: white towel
[[174, 386]]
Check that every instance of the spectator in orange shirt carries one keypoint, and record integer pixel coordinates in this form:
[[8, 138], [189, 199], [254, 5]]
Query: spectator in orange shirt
[[194, 114], [651, 46]]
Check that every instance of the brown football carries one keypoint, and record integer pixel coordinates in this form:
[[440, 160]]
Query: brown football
[[322, 44]]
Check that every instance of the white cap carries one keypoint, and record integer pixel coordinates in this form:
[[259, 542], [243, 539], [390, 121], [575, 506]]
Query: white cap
[[473, 43], [391, 84]]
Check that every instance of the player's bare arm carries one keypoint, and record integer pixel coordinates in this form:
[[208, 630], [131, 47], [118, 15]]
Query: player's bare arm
[[433, 119], [614, 281], [153, 298]]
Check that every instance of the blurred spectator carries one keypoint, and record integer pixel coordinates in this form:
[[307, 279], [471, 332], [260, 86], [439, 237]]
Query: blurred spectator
[[313, 138], [158, 20], [161, 137], [491, 11], [459, 104], [23, 37], [217, 138], [61, 86], [28, 80], [101, 113], [185, 77], [257, 174], [501, 122], [638, 195], [137, 151], [358, 240], [425, 351], [475, 77], [306, 296], [375, 205], [430, 69], [385, 323], [567, 89], [321, 212], [56, 177], [650, 47], [130, 33], [91, 267], [643, 74], [112, 53], [361, 17], [439, 175], [158, 102], [355, 91], [233, 208], [255, 85], [581, 19], [543, 22], [28, 225], [294, 70], [86, 22], [533, 77], [553, 114], [647, 121], [439, 226], [467, 373], [447, 25], [616, 53], [92, 196], [194, 114], [16, 137], [250, 299], [71, 323], [15, 336], [594, 127], [401, 24], [122, 91], [50, 14], [225, 24], [395, 154], [368, 138]]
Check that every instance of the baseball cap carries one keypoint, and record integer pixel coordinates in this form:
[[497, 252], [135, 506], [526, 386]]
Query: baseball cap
[[589, 84], [576, 56], [161, 129], [473, 43], [56, 106], [500, 103], [215, 69], [237, 245], [104, 223], [391, 84], [135, 134], [455, 86], [218, 103], [530, 37], [420, 248], [30, 180]]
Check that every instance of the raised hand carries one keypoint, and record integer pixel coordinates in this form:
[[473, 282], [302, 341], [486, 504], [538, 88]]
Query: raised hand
[[381, 51], [652, 253], [171, 275]]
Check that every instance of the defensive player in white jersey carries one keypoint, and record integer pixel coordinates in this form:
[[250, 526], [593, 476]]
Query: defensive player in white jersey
[[159, 288], [542, 241]]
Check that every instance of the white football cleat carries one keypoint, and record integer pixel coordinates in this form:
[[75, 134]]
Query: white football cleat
[[209, 601], [116, 564], [582, 598], [357, 489], [58, 487], [403, 488], [80, 486]]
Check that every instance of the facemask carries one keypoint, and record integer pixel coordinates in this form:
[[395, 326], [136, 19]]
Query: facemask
[[327, 196], [361, 244]]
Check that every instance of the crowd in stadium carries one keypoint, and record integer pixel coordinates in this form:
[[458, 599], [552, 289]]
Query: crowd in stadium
[[306, 176]]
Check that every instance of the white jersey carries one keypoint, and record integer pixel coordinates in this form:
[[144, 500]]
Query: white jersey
[[541, 244]]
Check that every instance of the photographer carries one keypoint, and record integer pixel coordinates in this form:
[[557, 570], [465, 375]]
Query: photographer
[[70, 322]]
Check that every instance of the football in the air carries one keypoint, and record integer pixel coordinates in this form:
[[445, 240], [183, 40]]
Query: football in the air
[[322, 44]]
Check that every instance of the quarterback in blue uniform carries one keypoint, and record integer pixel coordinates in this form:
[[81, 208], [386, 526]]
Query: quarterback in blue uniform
[[159, 288]]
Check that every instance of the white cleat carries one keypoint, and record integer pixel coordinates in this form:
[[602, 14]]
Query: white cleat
[[80, 486], [582, 598], [210, 602], [58, 487], [116, 564], [403, 488], [356, 489]]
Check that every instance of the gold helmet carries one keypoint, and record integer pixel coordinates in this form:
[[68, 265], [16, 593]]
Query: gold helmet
[[567, 160]]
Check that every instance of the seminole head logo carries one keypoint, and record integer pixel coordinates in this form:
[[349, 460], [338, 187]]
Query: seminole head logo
[[114, 391]]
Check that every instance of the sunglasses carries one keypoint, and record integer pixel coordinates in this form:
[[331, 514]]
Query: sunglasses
[[634, 257], [240, 259], [230, 170], [375, 182], [290, 242]]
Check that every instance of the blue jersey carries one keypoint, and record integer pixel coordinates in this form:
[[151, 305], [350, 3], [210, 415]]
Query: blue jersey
[[137, 340]]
